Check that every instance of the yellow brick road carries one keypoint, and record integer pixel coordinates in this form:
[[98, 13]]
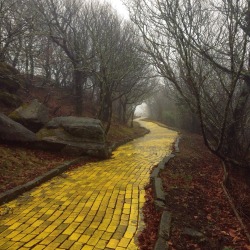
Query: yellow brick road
[[97, 206]]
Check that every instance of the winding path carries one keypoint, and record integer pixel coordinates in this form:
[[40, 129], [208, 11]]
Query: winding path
[[97, 206]]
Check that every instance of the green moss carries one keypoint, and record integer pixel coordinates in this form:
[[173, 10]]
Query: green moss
[[45, 133]]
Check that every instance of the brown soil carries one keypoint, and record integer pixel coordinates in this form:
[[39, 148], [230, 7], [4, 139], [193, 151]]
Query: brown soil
[[195, 197]]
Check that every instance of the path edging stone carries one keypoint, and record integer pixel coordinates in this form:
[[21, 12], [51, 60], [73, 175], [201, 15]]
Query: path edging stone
[[160, 200], [14, 192]]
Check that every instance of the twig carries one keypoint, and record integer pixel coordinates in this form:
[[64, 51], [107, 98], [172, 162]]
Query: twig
[[231, 202]]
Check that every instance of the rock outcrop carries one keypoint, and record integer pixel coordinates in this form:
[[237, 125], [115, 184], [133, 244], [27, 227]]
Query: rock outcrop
[[75, 136], [33, 115], [11, 131], [69, 135], [10, 82]]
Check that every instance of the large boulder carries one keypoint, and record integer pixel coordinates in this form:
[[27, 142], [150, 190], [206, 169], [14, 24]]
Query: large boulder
[[11, 131], [75, 136], [33, 115]]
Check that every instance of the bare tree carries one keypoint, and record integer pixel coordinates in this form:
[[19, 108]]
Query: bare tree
[[12, 25], [66, 22], [201, 49], [119, 64]]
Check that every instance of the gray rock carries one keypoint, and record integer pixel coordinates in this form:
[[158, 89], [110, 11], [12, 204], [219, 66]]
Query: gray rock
[[193, 233], [159, 205], [75, 136], [33, 116], [165, 223], [85, 129], [11, 131], [155, 173], [161, 244], [158, 189]]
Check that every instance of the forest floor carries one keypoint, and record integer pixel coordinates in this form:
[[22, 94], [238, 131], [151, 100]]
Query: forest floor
[[202, 217], [18, 165]]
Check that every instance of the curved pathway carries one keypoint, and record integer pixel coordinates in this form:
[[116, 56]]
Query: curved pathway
[[97, 206]]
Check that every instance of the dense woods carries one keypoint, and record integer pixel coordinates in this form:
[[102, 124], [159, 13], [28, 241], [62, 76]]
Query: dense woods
[[201, 50], [81, 46], [188, 59]]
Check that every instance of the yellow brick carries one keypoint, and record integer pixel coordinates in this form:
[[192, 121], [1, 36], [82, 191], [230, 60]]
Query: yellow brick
[[13, 234], [49, 212], [37, 223], [47, 240], [94, 224], [131, 229], [103, 198], [126, 211], [42, 236], [16, 245], [74, 236], [89, 231], [113, 243], [93, 241], [101, 244], [31, 243], [15, 225], [7, 245], [79, 218], [60, 238], [28, 238], [84, 239], [87, 247], [124, 242], [106, 236], [67, 244], [77, 246], [127, 206], [50, 229], [38, 247], [111, 229], [52, 245], [28, 230], [18, 237], [128, 235]]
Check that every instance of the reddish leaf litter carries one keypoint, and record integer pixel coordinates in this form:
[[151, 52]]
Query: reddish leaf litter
[[202, 217], [148, 236], [19, 165]]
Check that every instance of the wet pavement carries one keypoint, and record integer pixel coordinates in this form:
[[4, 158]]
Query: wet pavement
[[96, 206]]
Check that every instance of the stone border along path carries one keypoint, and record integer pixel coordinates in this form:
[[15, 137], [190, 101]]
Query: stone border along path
[[96, 206], [160, 200]]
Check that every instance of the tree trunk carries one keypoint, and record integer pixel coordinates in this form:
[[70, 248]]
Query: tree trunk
[[132, 118], [78, 91], [47, 66], [106, 107], [237, 145]]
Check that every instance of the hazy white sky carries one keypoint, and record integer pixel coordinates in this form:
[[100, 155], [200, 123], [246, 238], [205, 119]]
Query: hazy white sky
[[121, 9]]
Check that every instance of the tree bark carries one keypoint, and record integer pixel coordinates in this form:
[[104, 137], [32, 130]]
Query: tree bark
[[78, 91]]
